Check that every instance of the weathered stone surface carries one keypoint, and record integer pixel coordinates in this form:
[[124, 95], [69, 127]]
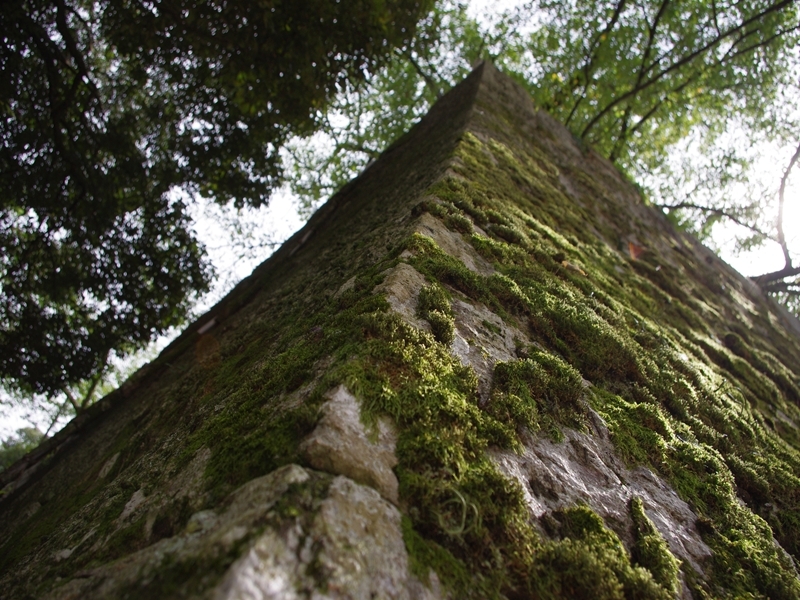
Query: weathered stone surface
[[353, 550], [340, 444], [585, 468], [207, 539], [185, 483], [482, 339], [452, 243], [401, 289], [349, 547]]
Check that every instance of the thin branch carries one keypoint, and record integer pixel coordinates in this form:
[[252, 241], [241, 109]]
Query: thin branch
[[54, 420], [82, 74], [71, 399], [716, 211], [354, 147], [680, 63], [428, 79], [731, 52], [589, 64], [88, 396], [759, 44], [620, 141], [781, 286], [714, 14], [781, 201], [651, 36], [619, 144]]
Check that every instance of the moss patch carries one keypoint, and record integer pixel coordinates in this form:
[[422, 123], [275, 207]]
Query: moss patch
[[677, 398], [651, 552], [588, 560], [434, 306]]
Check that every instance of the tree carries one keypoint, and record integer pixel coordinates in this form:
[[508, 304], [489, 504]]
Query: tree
[[371, 113], [636, 81], [15, 447], [456, 381], [777, 282], [115, 115]]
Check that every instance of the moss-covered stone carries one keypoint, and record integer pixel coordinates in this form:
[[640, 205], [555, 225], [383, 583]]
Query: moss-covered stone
[[434, 306], [651, 552], [588, 560], [691, 373]]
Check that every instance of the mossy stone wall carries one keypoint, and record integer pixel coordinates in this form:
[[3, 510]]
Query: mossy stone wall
[[693, 374]]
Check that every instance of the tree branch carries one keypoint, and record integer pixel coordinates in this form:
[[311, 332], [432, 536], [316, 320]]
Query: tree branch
[[76, 407], [717, 211], [429, 82], [781, 202], [760, 44], [618, 145], [714, 14], [590, 62], [680, 63], [790, 288], [54, 420], [625, 121], [768, 278], [88, 396], [82, 75]]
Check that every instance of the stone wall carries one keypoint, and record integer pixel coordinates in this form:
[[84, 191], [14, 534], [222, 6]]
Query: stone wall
[[485, 368]]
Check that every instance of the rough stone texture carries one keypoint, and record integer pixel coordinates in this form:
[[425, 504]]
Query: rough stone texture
[[341, 445], [354, 547], [585, 468], [206, 534], [401, 288], [351, 548], [553, 475], [483, 339], [452, 243], [61, 531], [185, 482]]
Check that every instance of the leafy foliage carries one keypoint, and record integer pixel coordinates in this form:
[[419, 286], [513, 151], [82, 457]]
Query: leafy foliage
[[15, 447], [370, 113], [111, 107], [633, 78]]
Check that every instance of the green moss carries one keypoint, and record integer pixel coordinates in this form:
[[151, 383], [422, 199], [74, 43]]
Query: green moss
[[263, 397], [641, 331], [458, 500], [464, 517], [510, 234], [433, 305], [596, 348], [126, 540], [465, 198], [459, 222], [589, 561], [432, 261], [542, 383], [491, 327], [651, 552], [193, 575], [683, 388], [426, 555]]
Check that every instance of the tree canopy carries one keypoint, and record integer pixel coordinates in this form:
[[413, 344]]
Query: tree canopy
[[114, 114]]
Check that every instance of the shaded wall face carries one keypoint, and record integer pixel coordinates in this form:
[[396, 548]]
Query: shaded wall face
[[484, 366]]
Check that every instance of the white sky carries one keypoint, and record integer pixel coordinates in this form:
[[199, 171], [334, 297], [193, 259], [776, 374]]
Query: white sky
[[278, 221]]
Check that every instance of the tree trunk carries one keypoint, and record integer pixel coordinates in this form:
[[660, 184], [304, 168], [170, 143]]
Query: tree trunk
[[483, 369]]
